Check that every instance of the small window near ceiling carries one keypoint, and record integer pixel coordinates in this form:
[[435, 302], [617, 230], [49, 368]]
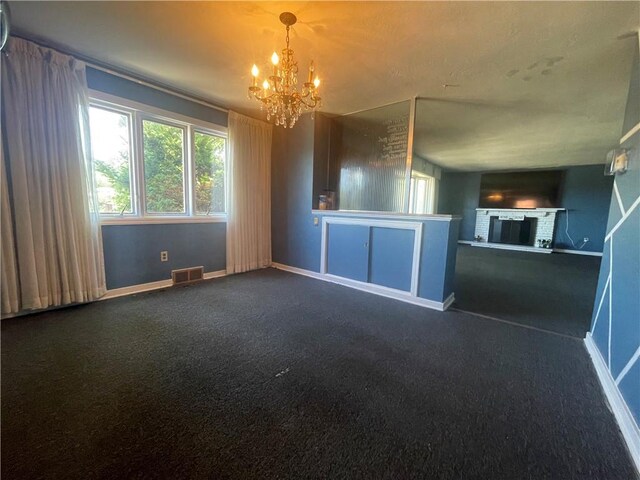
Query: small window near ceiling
[[111, 151], [163, 167], [210, 153]]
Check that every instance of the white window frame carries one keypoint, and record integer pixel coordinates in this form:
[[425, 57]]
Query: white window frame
[[430, 193], [138, 112]]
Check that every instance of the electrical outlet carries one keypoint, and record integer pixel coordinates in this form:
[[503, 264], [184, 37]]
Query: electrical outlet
[[164, 256], [316, 221], [585, 239]]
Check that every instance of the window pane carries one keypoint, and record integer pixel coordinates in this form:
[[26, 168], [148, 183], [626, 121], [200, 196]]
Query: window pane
[[110, 147], [163, 167], [209, 173]]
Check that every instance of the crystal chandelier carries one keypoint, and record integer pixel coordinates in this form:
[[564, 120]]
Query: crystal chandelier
[[278, 94]]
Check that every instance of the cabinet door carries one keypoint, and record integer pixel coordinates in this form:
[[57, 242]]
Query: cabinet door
[[348, 251], [391, 257]]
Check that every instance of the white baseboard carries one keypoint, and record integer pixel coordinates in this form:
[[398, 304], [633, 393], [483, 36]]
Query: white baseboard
[[578, 252], [148, 287], [216, 274], [466, 242], [626, 422], [370, 288], [509, 246]]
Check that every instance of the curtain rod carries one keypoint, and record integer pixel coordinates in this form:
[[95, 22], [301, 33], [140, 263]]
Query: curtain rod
[[103, 67]]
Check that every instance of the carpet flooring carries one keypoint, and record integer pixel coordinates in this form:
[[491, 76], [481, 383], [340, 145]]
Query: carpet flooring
[[553, 292], [272, 375]]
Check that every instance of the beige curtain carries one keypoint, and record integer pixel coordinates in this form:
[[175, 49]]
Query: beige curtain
[[249, 209], [9, 278], [57, 233]]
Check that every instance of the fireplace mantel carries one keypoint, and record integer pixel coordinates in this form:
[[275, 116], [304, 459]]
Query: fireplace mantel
[[520, 209]]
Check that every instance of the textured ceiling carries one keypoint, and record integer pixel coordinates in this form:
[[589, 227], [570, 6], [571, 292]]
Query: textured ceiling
[[533, 84]]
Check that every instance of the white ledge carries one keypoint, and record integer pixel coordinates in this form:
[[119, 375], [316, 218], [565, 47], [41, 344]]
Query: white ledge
[[160, 220], [388, 215], [522, 209]]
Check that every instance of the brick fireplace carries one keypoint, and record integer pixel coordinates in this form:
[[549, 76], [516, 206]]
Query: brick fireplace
[[496, 228]]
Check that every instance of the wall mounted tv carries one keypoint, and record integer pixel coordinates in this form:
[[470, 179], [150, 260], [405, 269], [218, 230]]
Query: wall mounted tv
[[536, 189]]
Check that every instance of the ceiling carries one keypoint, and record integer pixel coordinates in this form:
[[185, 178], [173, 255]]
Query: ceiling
[[502, 85]]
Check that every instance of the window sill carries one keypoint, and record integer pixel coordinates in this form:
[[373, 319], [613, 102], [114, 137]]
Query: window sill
[[160, 220]]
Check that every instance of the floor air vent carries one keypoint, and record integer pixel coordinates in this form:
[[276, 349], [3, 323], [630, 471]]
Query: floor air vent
[[187, 275]]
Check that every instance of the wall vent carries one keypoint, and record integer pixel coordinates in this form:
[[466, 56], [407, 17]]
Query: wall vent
[[187, 275]]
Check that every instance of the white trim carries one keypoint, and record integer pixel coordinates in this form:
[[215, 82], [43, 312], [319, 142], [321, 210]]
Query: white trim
[[632, 361], [385, 215], [604, 292], [623, 219], [386, 223], [508, 246], [216, 274], [131, 220], [133, 289], [610, 297], [626, 422], [578, 252], [630, 133], [617, 192], [370, 288], [466, 242], [148, 287]]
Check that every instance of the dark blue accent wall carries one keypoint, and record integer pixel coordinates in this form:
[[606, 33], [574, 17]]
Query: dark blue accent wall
[[586, 193], [615, 327], [458, 195], [120, 87], [294, 238], [132, 252]]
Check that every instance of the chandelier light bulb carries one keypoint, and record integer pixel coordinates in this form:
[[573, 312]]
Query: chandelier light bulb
[[316, 82], [265, 85], [254, 70], [275, 59]]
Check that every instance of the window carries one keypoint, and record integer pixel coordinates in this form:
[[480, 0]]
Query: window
[[111, 149], [422, 194], [163, 167], [151, 164], [209, 169]]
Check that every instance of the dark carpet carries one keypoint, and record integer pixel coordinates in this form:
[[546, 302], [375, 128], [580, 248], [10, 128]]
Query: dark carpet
[[553, 292], [272, 375]]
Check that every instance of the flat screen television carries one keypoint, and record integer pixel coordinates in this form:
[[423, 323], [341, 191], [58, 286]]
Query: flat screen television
[[537, 189]]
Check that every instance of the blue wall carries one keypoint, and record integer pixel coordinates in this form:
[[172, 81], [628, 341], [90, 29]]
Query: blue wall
[[132, 252], [120, 87], [586, 192], [458, 194], [294, 238], [616, 314]]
